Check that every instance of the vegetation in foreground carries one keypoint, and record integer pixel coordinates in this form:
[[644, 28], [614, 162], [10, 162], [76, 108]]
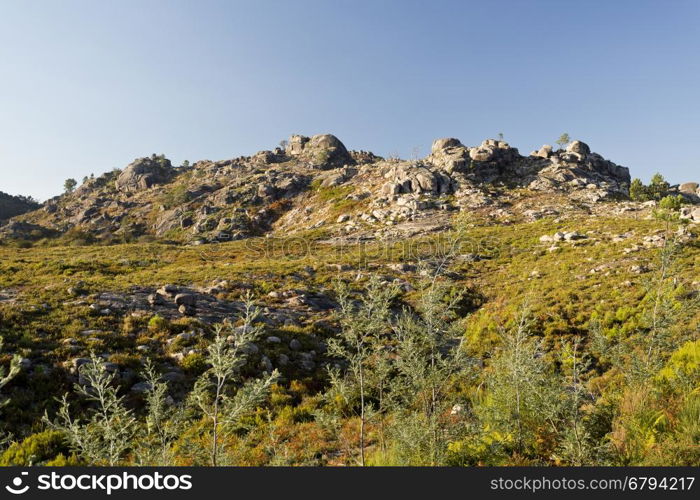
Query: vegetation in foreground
[[513, 353]]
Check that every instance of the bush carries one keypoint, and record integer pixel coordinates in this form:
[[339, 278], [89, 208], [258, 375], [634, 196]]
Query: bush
[[178, 195], [132, 324], [671, 202], [194, 363], [35, 450], [158, 324]]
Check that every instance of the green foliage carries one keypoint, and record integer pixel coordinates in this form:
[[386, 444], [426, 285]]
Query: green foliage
[[363, 324], [682, 371], [671, 202], [222, 406], [195, 363], [37, 449], [563, 140], [638, 191], [607, 353], [176, 196], [105, 437], [522, 398], [164, 423], [658, 187], [159, 324], [429, 359], [69, 185]]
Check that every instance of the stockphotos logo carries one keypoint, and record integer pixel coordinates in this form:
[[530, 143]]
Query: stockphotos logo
[[106, 483], [18, 487]]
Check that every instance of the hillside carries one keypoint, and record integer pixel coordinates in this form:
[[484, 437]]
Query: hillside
[[10, 206], [471, 278], [317, 183]]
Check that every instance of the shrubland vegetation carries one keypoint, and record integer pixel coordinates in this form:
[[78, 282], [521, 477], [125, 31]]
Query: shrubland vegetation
[[518, 354]]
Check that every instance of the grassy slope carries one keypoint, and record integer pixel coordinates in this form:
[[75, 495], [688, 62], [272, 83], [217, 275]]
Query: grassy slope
[[563, 292]]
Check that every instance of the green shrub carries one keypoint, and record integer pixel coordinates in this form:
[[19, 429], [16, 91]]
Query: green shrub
[[638, 191], [671, 202], [158, 324], [35, 450], [194, 363], [132, 324]]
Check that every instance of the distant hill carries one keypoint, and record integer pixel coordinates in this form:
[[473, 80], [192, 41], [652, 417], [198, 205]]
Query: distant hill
[[316, 183], [11, 206]]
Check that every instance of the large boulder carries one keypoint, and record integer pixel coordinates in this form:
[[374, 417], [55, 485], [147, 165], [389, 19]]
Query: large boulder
[[144, 173], [689, 188], [544, 152], [440, 145], [449, 154], [691, 213], [416, 178], [578, 147], [492, 150], [295, 145], [324, 150]]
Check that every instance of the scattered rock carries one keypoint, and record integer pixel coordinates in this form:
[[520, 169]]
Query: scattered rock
[[185, 299], [141, 387]]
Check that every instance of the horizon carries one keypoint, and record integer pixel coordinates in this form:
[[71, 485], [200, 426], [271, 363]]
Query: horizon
[[96, 86], [250, 153]]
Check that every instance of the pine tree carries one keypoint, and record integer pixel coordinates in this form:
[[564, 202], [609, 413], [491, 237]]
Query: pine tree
[[638, 191], [563, 140], [69, 185]]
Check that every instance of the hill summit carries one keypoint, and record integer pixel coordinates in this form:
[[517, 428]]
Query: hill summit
[[317, 183]]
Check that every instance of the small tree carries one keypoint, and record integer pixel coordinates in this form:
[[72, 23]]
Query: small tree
[[69, 185], [222, 404], [363, 323], [107, 434], [429, 357], [563, 140], [186, 163], [163, 424], [638, 191], [575, 446], [522, 397], [658, 187]]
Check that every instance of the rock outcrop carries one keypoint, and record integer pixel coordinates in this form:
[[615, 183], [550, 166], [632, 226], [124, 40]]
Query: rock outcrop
[[144, 173], [315, 182], [588, 176], [324, 150], [449, 155]]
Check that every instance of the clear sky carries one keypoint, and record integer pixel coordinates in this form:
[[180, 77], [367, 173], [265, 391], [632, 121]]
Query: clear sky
[[87, 86]]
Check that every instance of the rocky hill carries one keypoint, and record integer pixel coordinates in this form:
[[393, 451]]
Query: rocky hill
[[11, 206], [317, 183], [481, 247]]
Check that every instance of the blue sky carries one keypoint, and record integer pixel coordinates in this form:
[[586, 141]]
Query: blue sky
[[87, 86]]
